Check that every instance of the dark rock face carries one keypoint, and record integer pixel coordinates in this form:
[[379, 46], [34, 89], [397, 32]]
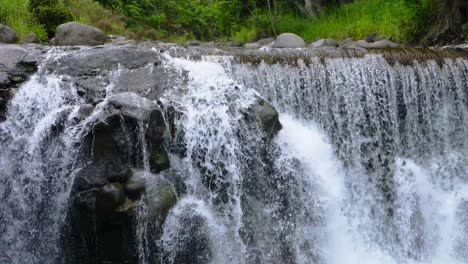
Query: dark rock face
[[98, 174], [16, 65], [106, 191], [76, 34], [266, 115], [7, 35]]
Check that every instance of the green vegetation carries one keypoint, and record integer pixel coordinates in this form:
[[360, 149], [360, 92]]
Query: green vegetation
[[238, 20], [404, 20]]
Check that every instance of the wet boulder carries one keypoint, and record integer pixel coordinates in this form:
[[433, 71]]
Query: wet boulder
[[77, 34], [131, 126], [84, 111], [289, 40], [134, 188], [8, 35], [159, 159], [160, 197], [98, 174], [126, 68], [264, 113]]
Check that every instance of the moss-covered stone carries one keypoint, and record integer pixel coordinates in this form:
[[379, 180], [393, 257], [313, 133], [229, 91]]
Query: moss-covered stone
[[159, 159], [161, 197]]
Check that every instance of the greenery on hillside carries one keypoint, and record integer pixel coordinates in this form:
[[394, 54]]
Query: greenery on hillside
[[223, 20]]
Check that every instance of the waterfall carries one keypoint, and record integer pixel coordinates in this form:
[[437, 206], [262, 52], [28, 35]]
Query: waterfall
[[370, 165]]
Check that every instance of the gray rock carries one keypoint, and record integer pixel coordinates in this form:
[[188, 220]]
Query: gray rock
[[324, 43], [363, 44], [373, 38], [384, 43], [128, 42], [134, 188], [92, 70], [110, 196], [265, 41], [8, 35], [254, 45], [100, 173], [52, 41], [133, 106], [31, 38], [289, 40], [268, 117], [77, 34], [84, 111], [119, 132], [193, 43], [160, 197], [159, 159], [346, 42]]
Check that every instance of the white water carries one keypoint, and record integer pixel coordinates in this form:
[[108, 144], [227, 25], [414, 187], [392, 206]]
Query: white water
[[370, 166], [344, 243]]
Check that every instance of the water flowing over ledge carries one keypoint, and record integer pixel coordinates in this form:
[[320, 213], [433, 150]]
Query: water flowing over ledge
[[367, 163]]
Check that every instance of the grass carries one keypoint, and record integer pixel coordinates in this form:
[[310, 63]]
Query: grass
[[404, 20], [396, 18], [16, 14], [92, 13]]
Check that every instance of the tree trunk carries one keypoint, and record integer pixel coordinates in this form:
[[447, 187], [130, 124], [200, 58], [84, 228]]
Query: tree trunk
[[452, 15]]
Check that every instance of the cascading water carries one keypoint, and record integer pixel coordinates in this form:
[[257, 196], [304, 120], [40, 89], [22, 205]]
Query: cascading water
[[370, 165], [399, 132]]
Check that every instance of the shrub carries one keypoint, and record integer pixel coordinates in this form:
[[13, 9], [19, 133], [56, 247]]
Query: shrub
[[17, 15], [52, 15], [92, 13]]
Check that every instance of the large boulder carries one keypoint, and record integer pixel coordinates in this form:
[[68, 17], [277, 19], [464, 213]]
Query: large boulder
[[266, 115], [77, 34], [289, 40], [129, 121], [129, 69], [8, 35]]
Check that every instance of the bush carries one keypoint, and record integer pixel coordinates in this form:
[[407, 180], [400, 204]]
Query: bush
[[17, 15], [52, 15], [92, 13]]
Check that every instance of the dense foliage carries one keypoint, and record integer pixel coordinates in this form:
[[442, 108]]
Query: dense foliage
[[239, 20]]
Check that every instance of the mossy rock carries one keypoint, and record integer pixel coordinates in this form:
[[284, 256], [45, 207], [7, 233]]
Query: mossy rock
[[160, 197], [159, 159]]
